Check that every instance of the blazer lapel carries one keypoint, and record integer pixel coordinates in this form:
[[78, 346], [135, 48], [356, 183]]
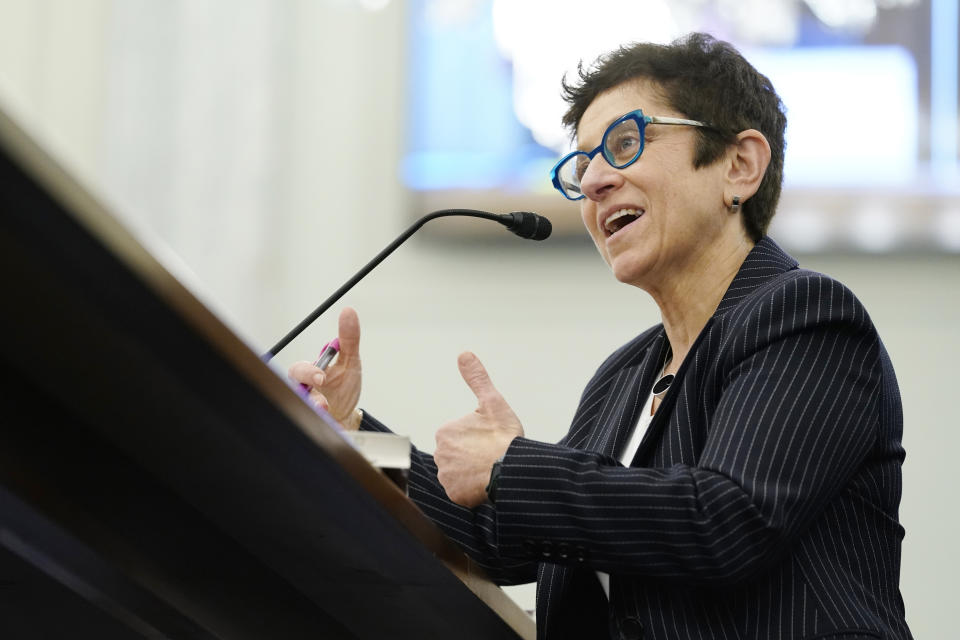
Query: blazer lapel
[[665, 408], [623, 404]]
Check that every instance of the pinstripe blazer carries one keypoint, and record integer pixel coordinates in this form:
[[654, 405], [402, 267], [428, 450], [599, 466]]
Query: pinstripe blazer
[[762, 502]]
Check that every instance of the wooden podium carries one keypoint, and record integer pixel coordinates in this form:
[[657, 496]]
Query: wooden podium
[[158, 480]]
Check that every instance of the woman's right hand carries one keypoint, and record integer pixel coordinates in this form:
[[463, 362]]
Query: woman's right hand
[[337, 390]]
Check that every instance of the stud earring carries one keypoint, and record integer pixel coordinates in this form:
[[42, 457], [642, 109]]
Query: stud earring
[[735, 204]]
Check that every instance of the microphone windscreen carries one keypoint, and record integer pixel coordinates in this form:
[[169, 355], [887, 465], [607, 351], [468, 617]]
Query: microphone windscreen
[[531, 225]]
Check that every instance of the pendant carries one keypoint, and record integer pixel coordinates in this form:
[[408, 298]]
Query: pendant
[[661, 386]]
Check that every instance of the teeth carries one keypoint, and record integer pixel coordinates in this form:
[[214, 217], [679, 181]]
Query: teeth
[[619, 214]]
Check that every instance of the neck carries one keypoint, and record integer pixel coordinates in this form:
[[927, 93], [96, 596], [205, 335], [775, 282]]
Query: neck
[[689, 300]]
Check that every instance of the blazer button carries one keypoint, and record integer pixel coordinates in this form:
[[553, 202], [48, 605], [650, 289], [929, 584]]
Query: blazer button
[[546, 550], [631, 628], [563, 551], [531, 547]]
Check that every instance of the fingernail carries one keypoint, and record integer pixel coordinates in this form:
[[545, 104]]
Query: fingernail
[[318, 379]]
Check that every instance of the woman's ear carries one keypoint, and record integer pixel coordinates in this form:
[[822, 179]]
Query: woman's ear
[[748, 159]]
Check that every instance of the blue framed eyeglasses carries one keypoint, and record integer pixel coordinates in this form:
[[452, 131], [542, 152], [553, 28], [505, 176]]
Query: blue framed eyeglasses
[[621, 145]]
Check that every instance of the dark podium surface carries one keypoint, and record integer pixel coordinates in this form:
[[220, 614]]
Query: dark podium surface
[[157, 480]]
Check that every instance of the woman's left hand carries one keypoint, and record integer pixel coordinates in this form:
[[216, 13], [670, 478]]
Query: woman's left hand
[[468, 447]]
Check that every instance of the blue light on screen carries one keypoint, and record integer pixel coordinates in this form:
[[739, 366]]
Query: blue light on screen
[[462, 130], [943, 85]]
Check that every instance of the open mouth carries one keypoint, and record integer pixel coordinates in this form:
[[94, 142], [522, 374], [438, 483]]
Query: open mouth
[[620, 219]]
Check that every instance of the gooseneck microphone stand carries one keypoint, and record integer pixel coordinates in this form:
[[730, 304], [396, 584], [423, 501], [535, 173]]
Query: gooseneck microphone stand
[[525, 224]]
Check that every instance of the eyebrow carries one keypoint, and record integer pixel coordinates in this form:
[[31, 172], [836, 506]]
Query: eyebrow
[[606, 126], [581, 147]]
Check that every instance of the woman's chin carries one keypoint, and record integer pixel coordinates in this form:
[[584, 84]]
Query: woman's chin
[[628, 272]]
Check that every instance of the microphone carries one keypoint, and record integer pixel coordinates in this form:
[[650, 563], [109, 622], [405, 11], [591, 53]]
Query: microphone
[[527, 225], [523, 223]]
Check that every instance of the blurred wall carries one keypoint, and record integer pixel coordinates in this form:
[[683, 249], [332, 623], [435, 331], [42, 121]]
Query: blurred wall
[[258, 141]]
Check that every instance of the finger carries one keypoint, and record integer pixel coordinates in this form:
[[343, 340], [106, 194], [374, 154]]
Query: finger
[[319, 400], [349, 333], [304, 373], [477, 378]]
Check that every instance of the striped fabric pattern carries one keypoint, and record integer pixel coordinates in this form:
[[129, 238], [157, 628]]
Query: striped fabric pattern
[[762, 502]]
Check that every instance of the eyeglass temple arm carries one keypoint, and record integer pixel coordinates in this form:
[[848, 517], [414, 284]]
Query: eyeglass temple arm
[[669, 120]]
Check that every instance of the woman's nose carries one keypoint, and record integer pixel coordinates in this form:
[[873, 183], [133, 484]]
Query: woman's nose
[[600, 178]]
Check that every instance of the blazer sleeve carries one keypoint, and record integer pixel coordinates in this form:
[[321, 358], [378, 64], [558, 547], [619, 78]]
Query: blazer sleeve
[[793, 396], [473, 530]]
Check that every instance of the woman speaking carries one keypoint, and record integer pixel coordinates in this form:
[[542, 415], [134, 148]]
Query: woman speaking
[[733, 472]]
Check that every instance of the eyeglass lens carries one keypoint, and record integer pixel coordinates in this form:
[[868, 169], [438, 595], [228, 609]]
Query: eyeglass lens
[[622, 143]]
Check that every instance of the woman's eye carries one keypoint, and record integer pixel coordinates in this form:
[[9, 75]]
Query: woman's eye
[[623, 147]]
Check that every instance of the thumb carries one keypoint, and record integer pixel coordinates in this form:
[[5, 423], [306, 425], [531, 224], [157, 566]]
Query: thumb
[[477, 378], [348, 331]]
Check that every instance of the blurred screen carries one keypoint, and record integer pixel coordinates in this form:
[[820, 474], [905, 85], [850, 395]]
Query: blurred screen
[[869, 99]]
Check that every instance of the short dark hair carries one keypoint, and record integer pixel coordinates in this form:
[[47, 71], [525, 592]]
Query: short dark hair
[[704, 79]]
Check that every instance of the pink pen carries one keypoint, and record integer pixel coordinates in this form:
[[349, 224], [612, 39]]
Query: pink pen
[[329, 351]]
